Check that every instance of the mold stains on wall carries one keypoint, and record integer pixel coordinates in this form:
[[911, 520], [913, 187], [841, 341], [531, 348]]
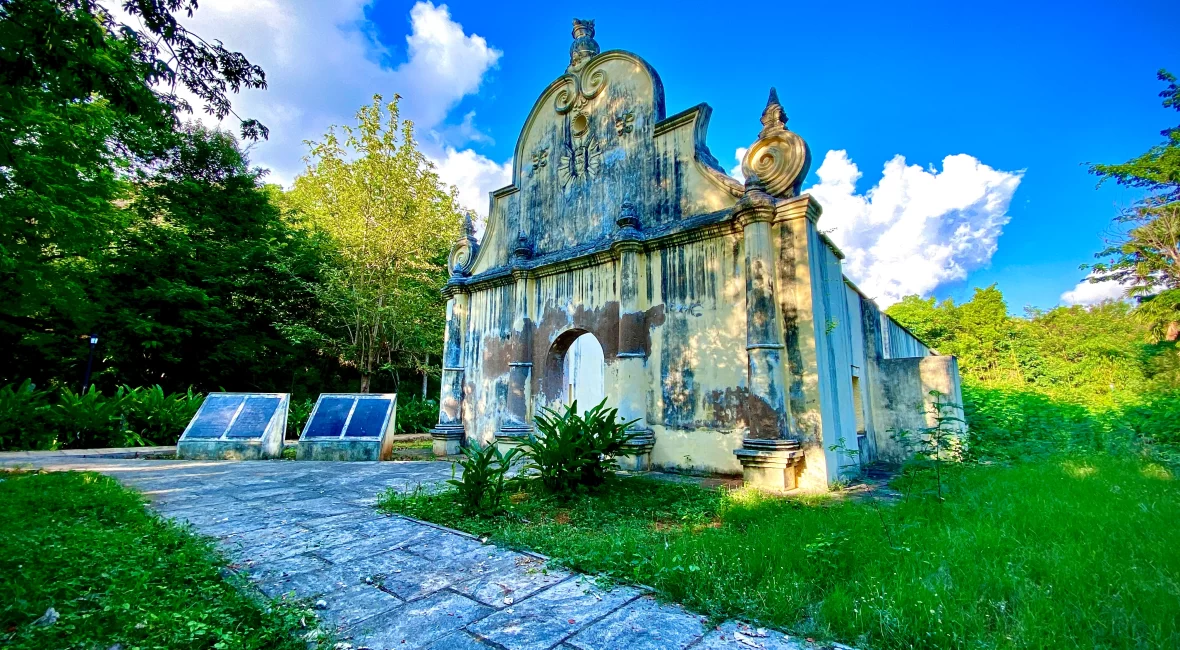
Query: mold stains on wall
[[789, 314]]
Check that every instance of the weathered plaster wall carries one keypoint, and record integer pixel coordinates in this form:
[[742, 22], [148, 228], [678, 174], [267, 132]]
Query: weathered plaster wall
[[904, 403]]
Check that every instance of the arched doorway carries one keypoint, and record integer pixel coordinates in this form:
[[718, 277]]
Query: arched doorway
[[574, 370], [583, 372]]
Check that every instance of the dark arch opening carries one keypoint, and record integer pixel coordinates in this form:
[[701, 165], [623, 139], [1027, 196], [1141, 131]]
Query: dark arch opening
[[575, 368]]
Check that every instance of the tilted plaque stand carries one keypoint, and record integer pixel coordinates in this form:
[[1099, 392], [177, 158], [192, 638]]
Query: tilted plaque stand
[[236, 426]]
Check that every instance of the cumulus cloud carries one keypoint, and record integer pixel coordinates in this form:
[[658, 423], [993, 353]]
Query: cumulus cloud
[[1092, 293], [736, 171], [473, 176], [917, 228], [323, 62]]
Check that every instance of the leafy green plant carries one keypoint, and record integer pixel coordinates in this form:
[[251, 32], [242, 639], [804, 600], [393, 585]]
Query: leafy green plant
[[576, 452], [25, 418], [416, 415], [484, 482], [155, 417], [90, 419], [297, 414]]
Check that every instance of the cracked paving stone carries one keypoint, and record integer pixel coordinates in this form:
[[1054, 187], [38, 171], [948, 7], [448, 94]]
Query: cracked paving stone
[[643, 624], [353, 604], [548, 617], [417, 624]]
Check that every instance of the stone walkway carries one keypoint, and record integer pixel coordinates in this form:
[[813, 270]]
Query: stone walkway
[[384, 582]]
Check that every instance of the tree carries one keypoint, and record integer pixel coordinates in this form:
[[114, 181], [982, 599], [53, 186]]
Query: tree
[[379, 201], [195, 288], [83, 102], [1144, 252]]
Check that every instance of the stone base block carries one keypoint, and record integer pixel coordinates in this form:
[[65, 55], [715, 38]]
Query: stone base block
[[509, 437], [340, 450], [636, 456], [769, 464], [447, 439], [227, 450]]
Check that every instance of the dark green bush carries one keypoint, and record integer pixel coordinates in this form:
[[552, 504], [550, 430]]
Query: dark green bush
[[1014, 423], [416, 415], [47, 419], [576, 452], [297, 414], [484, 482], [25, 417]]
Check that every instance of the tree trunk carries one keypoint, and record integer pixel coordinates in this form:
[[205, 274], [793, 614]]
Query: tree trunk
[[365, 383], [424, 377]]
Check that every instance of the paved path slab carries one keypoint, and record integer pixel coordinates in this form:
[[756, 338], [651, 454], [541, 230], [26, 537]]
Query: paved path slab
[[385, 582]]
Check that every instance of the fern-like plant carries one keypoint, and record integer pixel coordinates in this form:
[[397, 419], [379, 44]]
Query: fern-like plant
[[484, 483], [576, 452]]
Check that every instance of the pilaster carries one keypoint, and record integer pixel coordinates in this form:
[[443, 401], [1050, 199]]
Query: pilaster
[[631, 388], [448, 433]]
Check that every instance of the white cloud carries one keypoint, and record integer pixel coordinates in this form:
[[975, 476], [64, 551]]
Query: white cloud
[[323, 62], [736, 171], [917, 228], [1091, 293], [473, 176]]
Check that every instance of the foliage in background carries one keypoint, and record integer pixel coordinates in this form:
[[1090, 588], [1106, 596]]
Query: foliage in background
[[416, 414], [573, 452], [297, 414], [84, 102], [1143, 253], [1067, 553], [32, 418], [380, 203], [120, 577], [1080, 378]]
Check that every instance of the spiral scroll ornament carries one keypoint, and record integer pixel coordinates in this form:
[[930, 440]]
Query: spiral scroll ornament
[[780, 159]]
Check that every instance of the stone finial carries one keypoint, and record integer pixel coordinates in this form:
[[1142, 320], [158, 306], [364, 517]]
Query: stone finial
[[628, 216], [468, 228], [584, 46], [780, 159]]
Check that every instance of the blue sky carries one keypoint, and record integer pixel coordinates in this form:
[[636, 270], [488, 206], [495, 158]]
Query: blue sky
[[1026, 92]]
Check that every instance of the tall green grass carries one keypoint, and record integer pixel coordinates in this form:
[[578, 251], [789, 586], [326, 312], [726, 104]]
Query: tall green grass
[[1066, 552], [120, 577]]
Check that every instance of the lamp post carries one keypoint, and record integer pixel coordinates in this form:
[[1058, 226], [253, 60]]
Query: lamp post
[[89, 361]]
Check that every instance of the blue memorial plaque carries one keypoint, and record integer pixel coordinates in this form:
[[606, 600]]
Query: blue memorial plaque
[[329, 416], [254, 417], [236, 426], [350, 426], [214, 416], [368, 418]]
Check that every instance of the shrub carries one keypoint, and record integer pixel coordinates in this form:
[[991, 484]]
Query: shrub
[[90, 419], [484, 483], [156, 417], [416, 415], [576, 452], [25, 418], [297, 414], [48, 419]]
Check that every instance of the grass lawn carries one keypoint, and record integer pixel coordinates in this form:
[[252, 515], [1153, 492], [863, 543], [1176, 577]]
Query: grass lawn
[[1060, 553], [118, 575]]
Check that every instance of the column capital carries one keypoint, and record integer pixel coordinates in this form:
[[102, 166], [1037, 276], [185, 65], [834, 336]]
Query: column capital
[[755, 206]]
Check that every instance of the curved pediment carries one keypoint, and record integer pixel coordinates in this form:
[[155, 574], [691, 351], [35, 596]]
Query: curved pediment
[[598, 137]]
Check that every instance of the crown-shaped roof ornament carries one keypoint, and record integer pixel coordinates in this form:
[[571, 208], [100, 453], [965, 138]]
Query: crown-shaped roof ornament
[[584, 46], [468, 227], [779, 160]]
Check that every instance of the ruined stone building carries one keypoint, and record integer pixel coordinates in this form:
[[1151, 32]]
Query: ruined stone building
[[725, 324]]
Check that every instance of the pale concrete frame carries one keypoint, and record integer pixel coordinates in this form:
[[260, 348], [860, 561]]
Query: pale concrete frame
[[351, 447], [270, 445]]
